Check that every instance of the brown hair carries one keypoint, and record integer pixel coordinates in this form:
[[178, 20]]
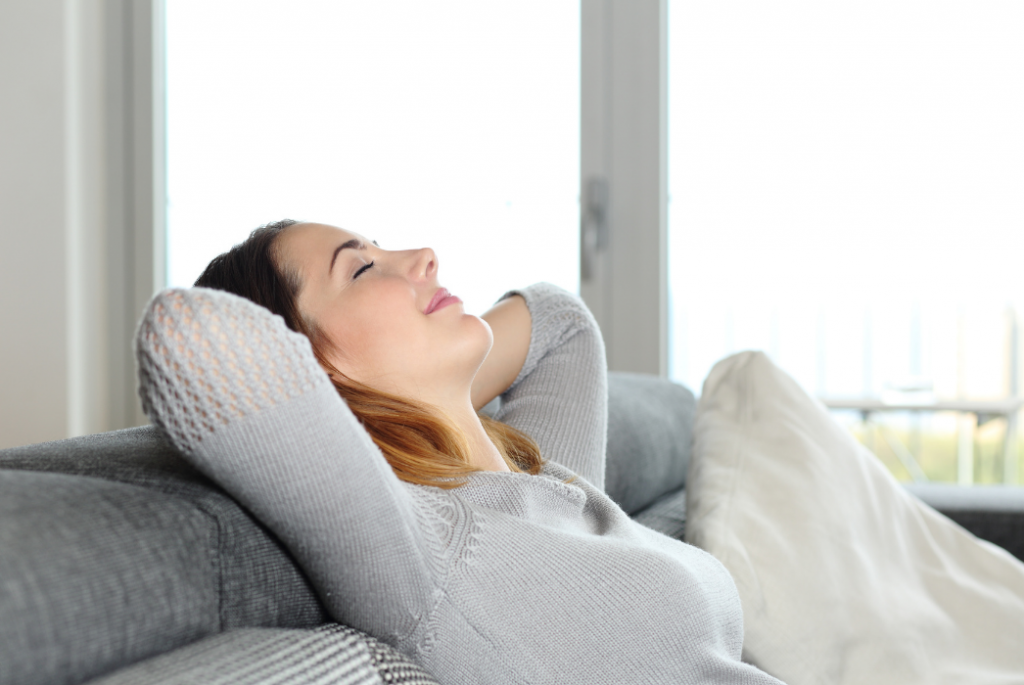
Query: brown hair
[[421, 446]]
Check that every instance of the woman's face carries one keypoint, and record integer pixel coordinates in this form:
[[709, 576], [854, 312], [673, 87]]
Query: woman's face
[[382, 313]]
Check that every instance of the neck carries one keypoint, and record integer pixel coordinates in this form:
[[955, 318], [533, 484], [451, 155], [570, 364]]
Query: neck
[[483, 453]]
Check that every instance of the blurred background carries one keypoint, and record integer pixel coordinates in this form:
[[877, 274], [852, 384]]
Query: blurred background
[[837, 186]]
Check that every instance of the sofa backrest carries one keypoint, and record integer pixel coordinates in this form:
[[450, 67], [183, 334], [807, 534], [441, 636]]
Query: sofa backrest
[[650, 436], [114, 549]]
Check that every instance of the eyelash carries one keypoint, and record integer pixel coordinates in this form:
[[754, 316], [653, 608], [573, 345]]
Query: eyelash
[[361, 270]]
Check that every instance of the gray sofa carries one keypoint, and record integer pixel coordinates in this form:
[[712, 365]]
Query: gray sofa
[[119, 563]]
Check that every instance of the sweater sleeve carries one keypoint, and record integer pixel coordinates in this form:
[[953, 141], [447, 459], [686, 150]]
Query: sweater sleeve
[[245, 401], [560, 397]]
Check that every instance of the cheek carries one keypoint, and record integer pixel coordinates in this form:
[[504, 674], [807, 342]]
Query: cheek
[[369, 343], [371, 337]]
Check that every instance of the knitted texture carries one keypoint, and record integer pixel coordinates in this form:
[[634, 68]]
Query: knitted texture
[[196, 357], [244, 399], [560, 397], [511, 578]]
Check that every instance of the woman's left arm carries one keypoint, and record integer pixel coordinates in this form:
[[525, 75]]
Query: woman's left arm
[[511, 326], [558, 395]]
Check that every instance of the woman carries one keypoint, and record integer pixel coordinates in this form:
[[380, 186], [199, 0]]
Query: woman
[[486, 551]]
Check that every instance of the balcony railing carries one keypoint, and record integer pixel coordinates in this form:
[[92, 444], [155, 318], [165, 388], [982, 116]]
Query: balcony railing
[[972, 414]]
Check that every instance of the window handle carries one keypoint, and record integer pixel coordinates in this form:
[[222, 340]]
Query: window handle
[[593, 225]]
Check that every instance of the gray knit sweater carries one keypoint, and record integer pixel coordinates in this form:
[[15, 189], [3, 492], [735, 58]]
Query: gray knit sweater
[[511, 578]]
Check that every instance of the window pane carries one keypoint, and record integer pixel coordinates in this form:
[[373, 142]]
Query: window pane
[[845, 186], [448, 124]]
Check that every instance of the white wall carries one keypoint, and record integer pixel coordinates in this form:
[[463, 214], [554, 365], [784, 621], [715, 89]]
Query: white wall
[[34, 206], [58, 266]]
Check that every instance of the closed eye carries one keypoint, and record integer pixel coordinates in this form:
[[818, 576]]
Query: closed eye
[[361, 270]]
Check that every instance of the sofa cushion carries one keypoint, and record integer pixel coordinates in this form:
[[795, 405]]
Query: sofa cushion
[[667, 515], [649, 438], [139, 456], [111, 554], [259, 583], [248, 656], [331, 653], [94, 574], [393, 667]]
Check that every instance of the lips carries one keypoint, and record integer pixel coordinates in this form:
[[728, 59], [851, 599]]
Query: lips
[[442, 298]]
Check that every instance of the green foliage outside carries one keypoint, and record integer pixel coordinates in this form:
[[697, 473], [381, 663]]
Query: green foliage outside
[[936, 451]]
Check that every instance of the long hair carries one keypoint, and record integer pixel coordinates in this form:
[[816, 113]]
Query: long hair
[[421, 446]]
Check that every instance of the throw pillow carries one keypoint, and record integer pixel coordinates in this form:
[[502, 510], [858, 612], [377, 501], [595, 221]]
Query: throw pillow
[[844, 577]]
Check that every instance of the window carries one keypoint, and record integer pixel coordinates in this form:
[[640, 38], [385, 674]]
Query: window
[[844, 190], [451, 124], [843, 182]]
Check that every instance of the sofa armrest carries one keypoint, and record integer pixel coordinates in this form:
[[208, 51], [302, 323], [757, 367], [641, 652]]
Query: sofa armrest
[[991, 512]]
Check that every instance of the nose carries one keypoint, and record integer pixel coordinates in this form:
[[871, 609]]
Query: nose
[[424, 263]]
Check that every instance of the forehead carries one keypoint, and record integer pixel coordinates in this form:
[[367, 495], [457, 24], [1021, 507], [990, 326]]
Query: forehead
[[305, 247]]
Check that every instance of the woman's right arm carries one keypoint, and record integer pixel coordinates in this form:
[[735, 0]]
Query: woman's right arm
[[245, 401]]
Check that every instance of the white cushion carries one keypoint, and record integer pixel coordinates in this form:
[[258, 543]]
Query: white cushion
[[844, 577]]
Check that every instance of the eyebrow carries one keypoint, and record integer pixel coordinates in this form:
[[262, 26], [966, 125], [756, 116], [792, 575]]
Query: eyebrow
[[354, 244]]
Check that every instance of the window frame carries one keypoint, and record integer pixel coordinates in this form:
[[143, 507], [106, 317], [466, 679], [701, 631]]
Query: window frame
[[624, 142]]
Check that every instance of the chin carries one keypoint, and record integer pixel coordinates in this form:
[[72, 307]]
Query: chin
[[479, 337], [463, 355]]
